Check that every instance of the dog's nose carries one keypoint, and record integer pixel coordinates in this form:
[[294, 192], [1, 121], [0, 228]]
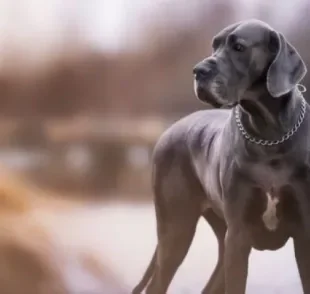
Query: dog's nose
[[201, 72]]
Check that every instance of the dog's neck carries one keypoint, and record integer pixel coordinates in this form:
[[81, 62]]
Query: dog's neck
[[269, 118]]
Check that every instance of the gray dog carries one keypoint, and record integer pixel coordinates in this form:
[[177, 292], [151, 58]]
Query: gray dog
[[245, 170]]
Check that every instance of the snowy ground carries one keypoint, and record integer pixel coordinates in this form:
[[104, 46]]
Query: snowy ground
[[129, 238]]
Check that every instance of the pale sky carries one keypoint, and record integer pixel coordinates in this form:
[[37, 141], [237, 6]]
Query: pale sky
[[109, 25], [112, 24]]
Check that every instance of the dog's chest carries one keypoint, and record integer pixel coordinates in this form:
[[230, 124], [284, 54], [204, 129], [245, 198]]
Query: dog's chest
[[272, 217], [272, 206], [270, 175]]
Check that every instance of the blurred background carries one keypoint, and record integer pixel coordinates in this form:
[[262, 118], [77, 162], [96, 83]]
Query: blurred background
[[87, 87]]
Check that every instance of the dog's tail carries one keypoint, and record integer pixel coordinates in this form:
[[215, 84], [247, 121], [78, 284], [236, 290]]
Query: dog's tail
[[147, 275]]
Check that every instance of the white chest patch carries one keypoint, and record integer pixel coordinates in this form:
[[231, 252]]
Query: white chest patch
[[269, 217]]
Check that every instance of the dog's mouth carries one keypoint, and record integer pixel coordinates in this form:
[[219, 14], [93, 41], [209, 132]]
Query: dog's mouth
[[208, 98], [206, 95], [213, 92]]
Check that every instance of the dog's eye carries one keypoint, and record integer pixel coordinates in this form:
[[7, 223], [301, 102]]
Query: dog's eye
[[238, 47]]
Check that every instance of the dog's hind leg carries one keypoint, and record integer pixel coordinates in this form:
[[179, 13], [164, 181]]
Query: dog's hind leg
[[177, 199], [216, 283], [147, 275], [175, 235]]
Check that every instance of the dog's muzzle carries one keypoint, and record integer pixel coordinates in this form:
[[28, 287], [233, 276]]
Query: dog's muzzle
[[204, 73], [205, 70]]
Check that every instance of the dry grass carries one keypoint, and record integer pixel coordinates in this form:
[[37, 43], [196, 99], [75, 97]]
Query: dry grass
[[40, 253]]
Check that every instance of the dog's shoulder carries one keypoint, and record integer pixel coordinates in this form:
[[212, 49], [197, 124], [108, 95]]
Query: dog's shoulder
[[189, 130]]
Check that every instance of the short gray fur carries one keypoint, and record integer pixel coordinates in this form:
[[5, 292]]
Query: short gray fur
[[204, 166]]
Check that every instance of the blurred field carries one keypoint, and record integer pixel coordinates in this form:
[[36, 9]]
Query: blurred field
[[121, 235], [87, 88]]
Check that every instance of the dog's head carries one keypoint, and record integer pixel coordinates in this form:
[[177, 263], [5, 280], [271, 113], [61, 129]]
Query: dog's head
[[245, 55]]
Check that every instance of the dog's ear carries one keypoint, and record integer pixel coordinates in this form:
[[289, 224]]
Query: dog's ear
[[287, 69]]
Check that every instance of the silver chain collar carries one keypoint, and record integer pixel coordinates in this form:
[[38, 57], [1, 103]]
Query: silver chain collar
[[284, 138]]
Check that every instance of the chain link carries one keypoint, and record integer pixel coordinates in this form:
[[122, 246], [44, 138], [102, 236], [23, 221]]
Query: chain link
[[284, 138]]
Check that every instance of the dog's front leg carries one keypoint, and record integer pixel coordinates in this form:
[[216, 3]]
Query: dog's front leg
[[237, 239], [302, 233], [301, 248], [237, 252]]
